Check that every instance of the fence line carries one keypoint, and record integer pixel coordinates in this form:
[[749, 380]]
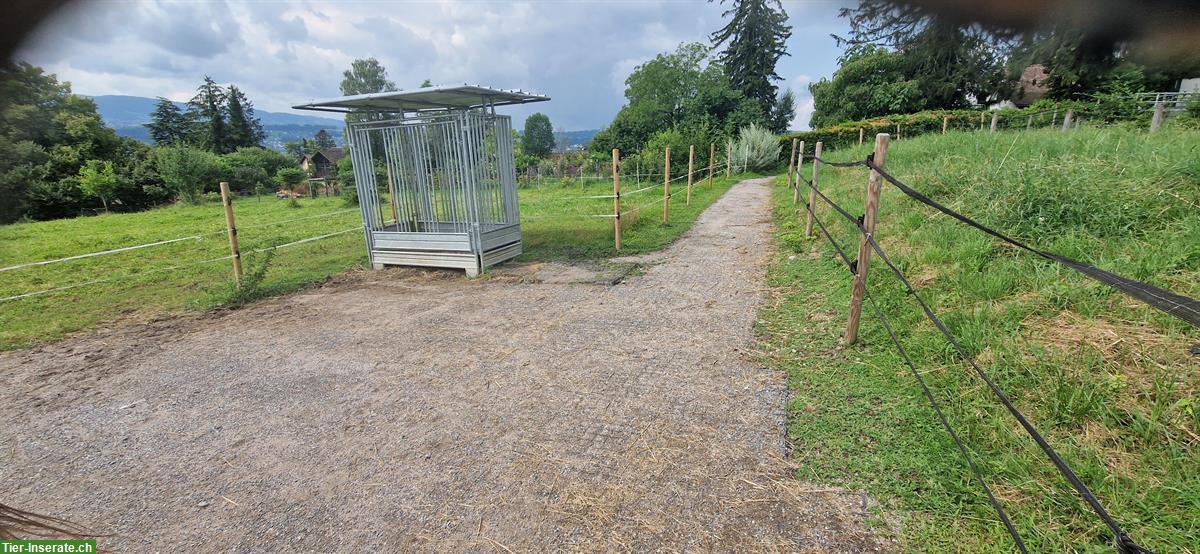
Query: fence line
[[100, 253], [1180, 306], [937, 408], [163, 242], [617, 194], [175, 267]]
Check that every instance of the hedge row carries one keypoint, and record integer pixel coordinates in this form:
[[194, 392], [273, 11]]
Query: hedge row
[[909, 125]]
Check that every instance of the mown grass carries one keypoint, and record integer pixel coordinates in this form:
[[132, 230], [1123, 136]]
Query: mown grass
[[558, 221], [145, 283], [1108, 380]]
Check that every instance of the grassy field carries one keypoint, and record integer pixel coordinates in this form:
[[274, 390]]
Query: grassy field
[[189, 275], [1108, 380]]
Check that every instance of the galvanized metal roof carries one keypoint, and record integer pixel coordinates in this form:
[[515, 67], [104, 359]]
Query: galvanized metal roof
[[443, 97]]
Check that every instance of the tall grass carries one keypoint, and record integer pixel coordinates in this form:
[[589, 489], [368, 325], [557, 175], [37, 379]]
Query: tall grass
[[1109, 380]]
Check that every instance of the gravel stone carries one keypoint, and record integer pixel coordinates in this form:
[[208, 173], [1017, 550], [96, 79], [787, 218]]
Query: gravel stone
[[411, 409]]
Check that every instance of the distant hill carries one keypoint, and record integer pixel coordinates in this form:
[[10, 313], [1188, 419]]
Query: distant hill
[[576, 138], [128, 115], [572, 139]]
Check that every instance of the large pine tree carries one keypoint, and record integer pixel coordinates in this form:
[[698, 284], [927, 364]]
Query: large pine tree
[[755, 39], [322, 140], [209, 107], [244, 129], [169, 125]]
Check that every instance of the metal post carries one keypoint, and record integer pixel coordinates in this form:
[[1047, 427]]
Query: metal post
[[667, 185], [392, 198], [812, 192], [712, 155], [796, 184], [691, 158], [231, 227], [874, 186], [792, 160], [729, 158], [616, 155]]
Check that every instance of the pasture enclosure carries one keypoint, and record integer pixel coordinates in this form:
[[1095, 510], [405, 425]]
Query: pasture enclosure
[[1000, 387], [448, 161]]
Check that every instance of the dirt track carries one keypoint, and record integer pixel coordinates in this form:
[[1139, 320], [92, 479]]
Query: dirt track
[[415, 410]]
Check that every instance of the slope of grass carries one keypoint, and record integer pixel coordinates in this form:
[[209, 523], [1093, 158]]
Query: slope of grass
[[188, 274], [1109, 381]]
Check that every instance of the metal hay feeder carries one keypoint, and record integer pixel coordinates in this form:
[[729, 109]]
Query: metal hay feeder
[[445, 161]]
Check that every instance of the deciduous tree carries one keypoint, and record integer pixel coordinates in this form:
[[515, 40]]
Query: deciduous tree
[[365, 76], [538, 139], [782, 112], [97, 179]]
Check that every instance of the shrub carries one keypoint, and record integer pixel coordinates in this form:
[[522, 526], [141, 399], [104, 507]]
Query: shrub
[[756, 148], [289, 177], [187, 171]]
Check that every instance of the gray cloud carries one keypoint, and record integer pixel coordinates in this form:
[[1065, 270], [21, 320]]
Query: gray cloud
[[282, 53]]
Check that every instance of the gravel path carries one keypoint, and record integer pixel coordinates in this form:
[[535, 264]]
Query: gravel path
[[414, 410]]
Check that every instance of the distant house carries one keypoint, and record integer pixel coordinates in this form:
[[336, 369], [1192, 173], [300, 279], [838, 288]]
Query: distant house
[[1032, 86], [324, 162]]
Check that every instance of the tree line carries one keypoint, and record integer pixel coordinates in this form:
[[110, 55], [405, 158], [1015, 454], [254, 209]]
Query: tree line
[[63, 161], [706, 93], [902, 57]]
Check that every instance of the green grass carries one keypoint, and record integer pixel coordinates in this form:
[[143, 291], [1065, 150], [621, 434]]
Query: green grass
[[138, 283], [1108, 380], [558, 224]]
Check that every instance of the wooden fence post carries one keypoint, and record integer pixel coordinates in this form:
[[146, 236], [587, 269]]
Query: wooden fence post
[[1066, 126], [796, 183], [982, 115], [1029, 123], [945, 123], [995, 120], [616, 155], [231, 227], [712, 155], [1160, 110], [812, 192], [1054, 118], [860, 135], [792, 160], [874, 186], [729, 158], [691, 158], [897, 131], [667, 185]]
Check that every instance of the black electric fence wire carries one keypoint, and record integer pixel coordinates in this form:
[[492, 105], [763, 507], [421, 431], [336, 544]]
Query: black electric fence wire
[[1187, 309], [937, 408], [1124, 543]]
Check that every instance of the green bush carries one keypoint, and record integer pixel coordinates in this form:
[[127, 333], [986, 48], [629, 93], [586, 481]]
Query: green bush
[[188, 172], [756, 149]]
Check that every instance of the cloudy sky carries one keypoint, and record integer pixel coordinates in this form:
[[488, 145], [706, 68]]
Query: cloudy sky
[[283, 53]]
